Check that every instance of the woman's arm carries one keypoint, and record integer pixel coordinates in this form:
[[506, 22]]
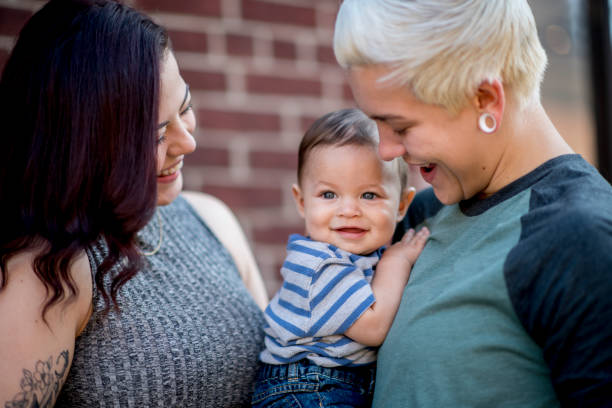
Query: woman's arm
[[223, 223], [35, 355], [392, 273]]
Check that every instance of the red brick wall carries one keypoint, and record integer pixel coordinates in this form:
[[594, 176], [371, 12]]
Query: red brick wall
[[260, 72]]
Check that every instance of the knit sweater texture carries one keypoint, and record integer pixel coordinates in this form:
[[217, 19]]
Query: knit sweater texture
[[188, 333]]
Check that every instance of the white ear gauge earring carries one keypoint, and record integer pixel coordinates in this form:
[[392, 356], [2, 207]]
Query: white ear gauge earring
[[483, 122]]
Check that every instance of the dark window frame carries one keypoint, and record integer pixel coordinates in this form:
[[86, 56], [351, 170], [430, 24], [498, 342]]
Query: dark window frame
[[598, 15]]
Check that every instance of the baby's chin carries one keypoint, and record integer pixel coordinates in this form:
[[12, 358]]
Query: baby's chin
[[351, 240], [356, 248]]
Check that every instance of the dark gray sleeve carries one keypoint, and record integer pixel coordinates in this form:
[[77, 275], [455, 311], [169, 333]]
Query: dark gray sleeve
[[559, 278]]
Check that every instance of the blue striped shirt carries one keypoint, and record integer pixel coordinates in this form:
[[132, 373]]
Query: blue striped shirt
[[325, 290]]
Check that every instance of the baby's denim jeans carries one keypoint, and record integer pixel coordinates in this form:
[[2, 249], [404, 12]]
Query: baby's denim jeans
[[304, 384]]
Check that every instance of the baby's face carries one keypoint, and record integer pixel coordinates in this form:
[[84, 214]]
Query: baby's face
[[349, 198]]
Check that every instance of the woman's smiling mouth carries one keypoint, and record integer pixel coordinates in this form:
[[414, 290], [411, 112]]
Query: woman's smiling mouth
[[171, 170], [170, 174], [428, 172]]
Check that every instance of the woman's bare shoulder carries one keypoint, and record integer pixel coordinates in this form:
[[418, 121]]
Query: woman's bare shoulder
[[36, 352]]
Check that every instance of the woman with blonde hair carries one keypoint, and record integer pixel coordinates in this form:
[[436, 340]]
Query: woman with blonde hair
[[509, 304]]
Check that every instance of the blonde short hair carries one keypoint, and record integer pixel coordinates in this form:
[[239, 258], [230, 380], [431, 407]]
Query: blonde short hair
[[444, 49]]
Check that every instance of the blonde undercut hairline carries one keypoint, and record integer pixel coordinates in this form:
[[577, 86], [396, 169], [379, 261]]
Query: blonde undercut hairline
[[443, 58]]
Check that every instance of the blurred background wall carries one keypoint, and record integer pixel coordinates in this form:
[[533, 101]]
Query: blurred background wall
[[261, 71]]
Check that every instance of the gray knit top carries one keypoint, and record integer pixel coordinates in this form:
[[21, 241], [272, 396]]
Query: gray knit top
[[188, 334]]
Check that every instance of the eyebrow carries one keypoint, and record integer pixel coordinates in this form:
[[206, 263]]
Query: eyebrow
[[407, 123], [166, 122], [386, 118]]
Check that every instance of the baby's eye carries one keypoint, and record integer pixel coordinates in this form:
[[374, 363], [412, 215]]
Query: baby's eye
[[328, 195], [369, 195], [400, 132]]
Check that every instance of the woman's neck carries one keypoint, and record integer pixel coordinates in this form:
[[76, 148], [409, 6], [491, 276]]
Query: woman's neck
[[530, 139]]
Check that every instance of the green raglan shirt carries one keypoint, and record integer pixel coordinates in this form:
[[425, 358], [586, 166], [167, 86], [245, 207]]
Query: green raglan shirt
[[510, 303]]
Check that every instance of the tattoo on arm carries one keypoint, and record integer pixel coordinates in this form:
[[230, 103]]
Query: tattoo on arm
[[41, 387]]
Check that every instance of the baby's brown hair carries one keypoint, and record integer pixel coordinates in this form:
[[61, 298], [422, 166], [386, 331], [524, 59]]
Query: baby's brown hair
[[341, 128]]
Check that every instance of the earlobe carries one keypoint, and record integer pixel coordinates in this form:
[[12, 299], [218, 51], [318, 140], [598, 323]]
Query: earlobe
[[487, 122], [490, 102], [405, 200], [298, 198]]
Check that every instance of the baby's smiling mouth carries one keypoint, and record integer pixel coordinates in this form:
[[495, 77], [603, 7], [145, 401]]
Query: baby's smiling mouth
[[351, 230]]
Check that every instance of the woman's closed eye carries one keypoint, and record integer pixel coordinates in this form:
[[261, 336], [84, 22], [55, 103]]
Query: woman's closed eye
[[402, 128], [187, 109], [164, 126], [162, 136], [401, 131]]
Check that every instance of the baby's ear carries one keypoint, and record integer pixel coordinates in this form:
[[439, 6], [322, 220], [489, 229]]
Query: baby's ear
[[299, 199], [405, 200]]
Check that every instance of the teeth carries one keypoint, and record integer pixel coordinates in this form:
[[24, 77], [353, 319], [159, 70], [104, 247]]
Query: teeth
[[171, 170]]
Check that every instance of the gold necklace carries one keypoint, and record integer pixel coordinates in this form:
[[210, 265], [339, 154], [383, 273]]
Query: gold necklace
[[161, 237]]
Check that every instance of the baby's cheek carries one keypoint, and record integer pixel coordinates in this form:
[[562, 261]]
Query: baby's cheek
[[388, 222]]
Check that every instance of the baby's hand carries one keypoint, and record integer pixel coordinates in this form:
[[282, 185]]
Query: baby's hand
[[405, 252]]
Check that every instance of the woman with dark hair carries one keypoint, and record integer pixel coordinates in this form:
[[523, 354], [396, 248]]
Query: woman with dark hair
[[113, 290]]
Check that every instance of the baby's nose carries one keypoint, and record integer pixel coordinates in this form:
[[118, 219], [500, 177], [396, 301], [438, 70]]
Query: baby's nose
[[349, 207]]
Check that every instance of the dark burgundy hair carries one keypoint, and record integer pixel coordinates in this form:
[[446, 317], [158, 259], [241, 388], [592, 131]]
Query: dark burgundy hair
[[78, 101]]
